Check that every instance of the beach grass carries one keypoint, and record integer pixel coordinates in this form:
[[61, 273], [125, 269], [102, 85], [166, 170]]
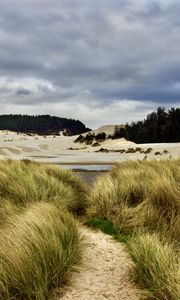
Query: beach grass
[[141, 200], [157, 268], [139, 195], [40, 243], [38, 250], [25, 182]]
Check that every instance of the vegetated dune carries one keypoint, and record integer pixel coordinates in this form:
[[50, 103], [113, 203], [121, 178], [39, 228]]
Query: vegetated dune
[[63, 149], [39, 240], [28, 182], [142, 199], [38, 250]]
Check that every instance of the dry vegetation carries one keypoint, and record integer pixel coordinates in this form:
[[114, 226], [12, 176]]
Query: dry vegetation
[[22, 183], [142, 200], [39, 239], [138, 203]]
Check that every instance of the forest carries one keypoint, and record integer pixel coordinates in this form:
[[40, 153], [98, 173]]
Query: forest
[[160, 126], [41, 124]]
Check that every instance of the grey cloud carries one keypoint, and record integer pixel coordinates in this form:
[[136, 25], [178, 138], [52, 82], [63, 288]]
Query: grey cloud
[[23, 92], [91, 52]]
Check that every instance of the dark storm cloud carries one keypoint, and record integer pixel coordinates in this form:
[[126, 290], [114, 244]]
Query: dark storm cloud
[[99, 54], [23, 92]]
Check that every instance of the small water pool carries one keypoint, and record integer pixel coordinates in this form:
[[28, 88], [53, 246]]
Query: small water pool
[[88, 167]]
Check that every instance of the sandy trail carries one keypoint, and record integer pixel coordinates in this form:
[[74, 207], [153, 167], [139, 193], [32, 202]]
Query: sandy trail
[[105, 271]]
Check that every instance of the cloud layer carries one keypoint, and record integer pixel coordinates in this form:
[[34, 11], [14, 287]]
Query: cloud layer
[[100, 61]]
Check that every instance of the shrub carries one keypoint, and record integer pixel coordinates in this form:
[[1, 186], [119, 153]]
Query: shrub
[[100, 136], [157, 153], [96, 144], [79, 139], [148, 150], [165, 151], [131, 150]]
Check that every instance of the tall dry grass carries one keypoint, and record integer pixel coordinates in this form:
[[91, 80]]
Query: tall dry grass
[[38, 249], [156, 267], [142, 198], [39, 240], [140, 195], [22, 183]]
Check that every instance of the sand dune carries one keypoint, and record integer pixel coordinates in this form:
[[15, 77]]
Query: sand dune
[[108, 129], [54, 149]]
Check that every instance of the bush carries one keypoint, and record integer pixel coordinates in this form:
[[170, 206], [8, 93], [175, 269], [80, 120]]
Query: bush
[[79, 139], [100, 137], [96, 144], [157, 153]]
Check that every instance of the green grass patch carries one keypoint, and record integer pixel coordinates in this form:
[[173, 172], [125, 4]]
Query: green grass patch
[[107, 227]]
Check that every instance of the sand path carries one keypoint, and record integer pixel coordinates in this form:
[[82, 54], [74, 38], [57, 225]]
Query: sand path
[[105, 271]]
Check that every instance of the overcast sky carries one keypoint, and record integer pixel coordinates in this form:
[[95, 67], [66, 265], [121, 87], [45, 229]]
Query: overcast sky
[[100, 61]]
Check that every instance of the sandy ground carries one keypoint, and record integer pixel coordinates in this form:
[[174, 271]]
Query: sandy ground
[[55, 149], [105, 272]]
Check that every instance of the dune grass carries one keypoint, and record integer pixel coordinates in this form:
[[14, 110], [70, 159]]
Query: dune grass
[[25, 182], [142, 198], [38, 249], [39, 239], [156, 267], [139, 195]]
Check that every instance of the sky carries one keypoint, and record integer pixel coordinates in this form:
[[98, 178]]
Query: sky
[[99, 61]]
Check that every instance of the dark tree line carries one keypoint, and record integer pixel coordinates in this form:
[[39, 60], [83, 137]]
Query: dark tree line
[[160, 126], [41, 124]]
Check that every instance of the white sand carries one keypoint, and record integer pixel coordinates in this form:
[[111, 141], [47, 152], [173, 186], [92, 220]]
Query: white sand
[[105, 272], [54, 150], [108, 129]]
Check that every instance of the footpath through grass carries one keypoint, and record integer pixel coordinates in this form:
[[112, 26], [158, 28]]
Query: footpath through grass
[[138, 202]]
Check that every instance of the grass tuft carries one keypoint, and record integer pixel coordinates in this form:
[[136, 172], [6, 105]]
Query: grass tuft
[[22, 183], [156, 267], [139, 195], [38, 249], [39, 239], [141, 201]]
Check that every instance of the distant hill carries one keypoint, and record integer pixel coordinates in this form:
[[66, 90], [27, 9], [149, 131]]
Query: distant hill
[[41, 124]]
